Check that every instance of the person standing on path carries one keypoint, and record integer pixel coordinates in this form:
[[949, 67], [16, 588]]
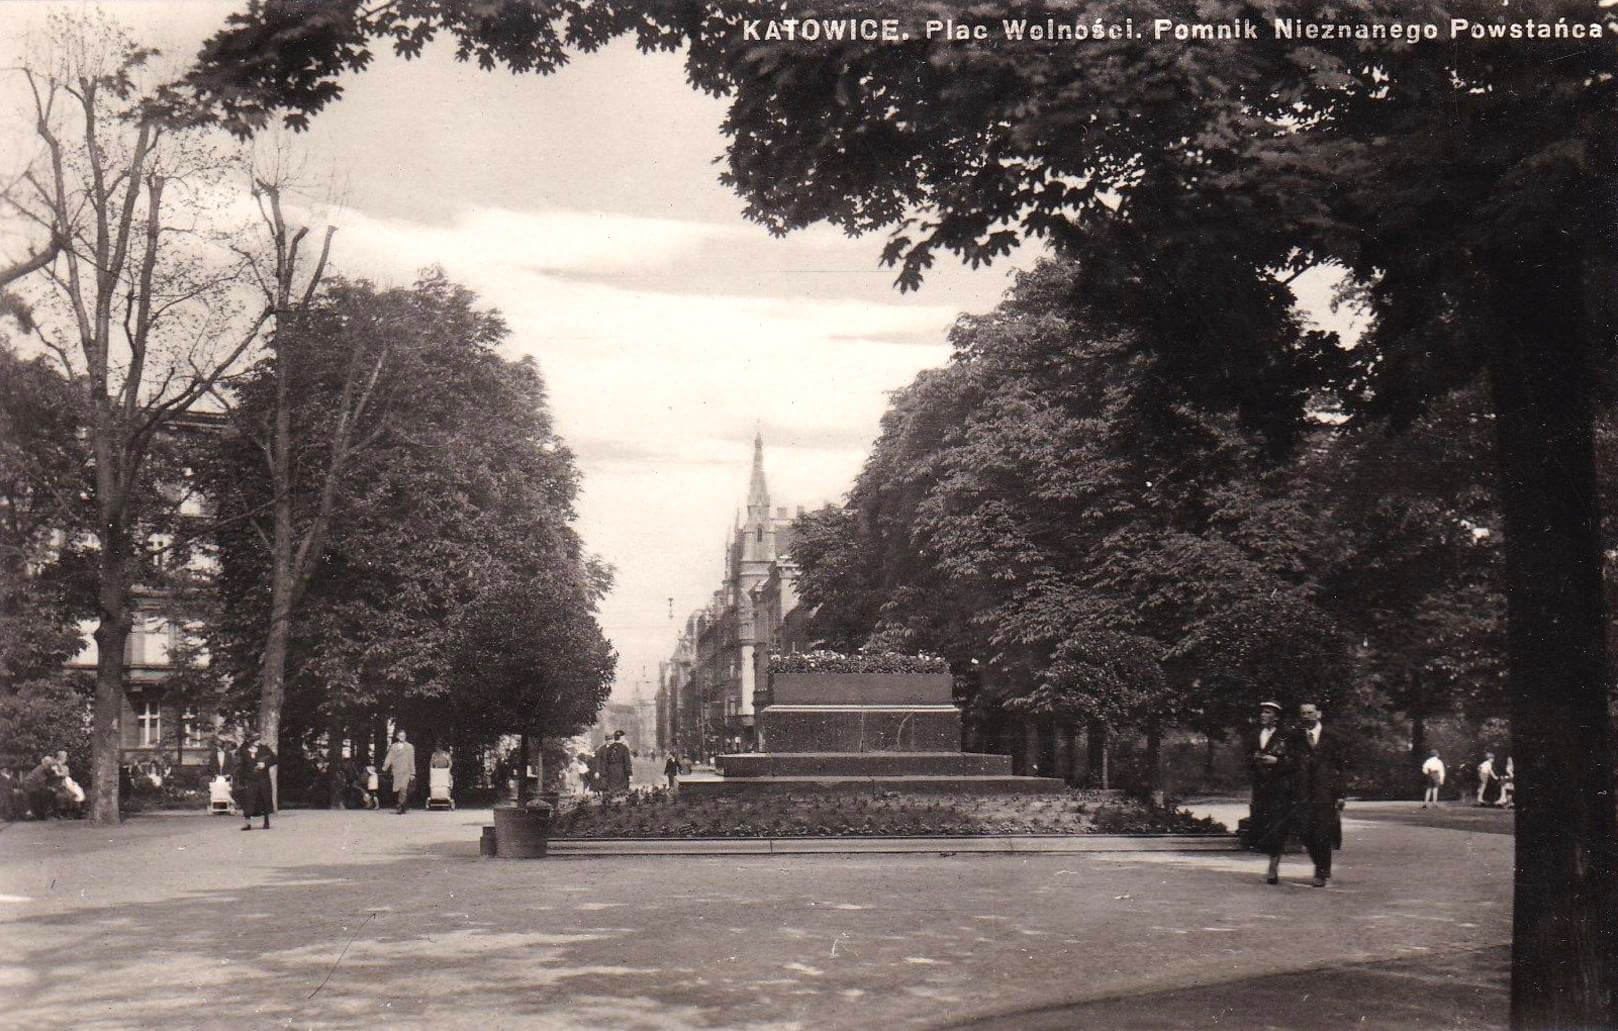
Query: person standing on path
[[1486, 776], [401, 763], [671, 769], [253, 792], [1318, 789], [615, 764], [1270, 766], [1433, 771]]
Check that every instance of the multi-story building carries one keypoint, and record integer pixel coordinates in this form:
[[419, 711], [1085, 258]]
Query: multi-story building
[[156, 723], [709, 687]]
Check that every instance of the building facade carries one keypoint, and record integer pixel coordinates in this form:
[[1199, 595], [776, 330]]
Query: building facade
[[710, 686], [158, 722]]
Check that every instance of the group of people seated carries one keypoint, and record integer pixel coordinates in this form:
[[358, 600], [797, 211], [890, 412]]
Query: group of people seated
[[46, 791]]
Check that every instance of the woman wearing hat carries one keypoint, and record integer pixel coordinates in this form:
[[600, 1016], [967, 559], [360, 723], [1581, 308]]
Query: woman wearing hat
[[1270, 765], [253, 791]]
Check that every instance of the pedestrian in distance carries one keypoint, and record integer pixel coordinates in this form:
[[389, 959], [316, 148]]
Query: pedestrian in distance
[[1432, 771], [1318, 789], [1270, 767], [253, 791], [671, 769], [401, 763], [1508, 786], [1486, 776]]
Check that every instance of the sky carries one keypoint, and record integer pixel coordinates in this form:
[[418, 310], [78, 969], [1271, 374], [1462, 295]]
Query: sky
[[586, 207]]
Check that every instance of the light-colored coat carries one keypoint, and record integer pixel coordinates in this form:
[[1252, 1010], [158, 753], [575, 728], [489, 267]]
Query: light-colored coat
[[401, 762]]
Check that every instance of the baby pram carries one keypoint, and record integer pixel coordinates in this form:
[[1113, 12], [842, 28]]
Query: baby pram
[[438, 785], [219, 797]]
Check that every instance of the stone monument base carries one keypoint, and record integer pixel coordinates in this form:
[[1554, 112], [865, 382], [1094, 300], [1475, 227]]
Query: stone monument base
[[735, 787]]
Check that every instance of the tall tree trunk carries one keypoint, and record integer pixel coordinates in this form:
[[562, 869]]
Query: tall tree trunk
[[523, 760], [111, 636], [334, 761], [272, 667], [1154, 761], [1418, 718], [1565, 920], [1095, 752], [379, 740]]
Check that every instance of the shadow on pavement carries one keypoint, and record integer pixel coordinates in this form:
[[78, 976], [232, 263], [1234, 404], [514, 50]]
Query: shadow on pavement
[[1464, 990]]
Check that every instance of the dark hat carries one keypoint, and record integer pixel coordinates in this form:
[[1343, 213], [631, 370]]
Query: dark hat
[[617, 734], [1270, 705]]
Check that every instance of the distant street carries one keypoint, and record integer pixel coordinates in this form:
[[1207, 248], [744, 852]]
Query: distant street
[[359, 918]]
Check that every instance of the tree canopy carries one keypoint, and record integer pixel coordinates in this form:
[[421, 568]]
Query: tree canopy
[[452, 590], [1465, 182]]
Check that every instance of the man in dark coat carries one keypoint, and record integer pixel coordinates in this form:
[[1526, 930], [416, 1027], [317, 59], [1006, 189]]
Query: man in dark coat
[[1318, 787], [1270, 764], [615, 765], [253, 793]]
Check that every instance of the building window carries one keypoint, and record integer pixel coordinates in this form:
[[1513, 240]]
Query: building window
[[150, 719], [191, 728]]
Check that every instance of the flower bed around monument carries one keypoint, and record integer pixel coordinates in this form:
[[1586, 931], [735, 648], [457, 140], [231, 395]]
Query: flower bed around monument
[[659, 815], [859, 662]]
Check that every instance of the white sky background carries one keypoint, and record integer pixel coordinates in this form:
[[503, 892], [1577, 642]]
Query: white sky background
[[586, 207]]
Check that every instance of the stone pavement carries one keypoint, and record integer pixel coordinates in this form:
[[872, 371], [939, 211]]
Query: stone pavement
[[359, 919]]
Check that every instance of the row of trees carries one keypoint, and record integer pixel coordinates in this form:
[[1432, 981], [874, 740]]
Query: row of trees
[[1054, 503], [1465, 186], [393, 506]]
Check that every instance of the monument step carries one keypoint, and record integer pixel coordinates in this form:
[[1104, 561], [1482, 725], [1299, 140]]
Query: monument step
[[864, 764], [731, 787]]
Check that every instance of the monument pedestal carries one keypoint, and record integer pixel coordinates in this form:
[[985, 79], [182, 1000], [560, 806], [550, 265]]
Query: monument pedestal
[[863, 732]]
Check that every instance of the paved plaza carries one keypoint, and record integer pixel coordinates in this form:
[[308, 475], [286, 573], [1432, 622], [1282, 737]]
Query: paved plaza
[[366, 919]]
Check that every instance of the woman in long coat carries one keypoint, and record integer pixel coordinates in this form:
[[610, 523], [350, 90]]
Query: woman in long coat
[[253, 792]]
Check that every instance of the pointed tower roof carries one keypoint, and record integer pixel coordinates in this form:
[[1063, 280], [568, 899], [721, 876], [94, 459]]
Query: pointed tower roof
[[758, 493]]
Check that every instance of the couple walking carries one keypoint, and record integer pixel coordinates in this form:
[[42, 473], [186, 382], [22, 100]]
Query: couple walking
[[1297, 788]]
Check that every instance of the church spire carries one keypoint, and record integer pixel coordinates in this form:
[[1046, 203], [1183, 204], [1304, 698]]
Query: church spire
[[758, 493]]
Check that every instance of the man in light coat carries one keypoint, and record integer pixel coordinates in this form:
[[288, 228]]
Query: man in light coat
[[401, 764]]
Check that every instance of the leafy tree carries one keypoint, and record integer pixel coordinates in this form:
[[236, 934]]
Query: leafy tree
[[142, 327], [454, 515], [44, 577], [1465, 184]]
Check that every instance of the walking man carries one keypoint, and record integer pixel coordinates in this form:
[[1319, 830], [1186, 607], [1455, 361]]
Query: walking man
[[1270, 765], [1318, 789], [401, 763], [1433, 771]]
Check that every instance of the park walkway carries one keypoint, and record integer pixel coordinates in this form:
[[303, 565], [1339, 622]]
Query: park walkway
[[358, 919]]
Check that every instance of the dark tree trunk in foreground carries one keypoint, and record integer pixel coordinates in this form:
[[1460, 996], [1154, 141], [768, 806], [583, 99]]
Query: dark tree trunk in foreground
[[1565, 918]]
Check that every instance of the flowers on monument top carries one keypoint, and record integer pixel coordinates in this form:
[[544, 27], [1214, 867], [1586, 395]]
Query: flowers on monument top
[[860, 662]]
